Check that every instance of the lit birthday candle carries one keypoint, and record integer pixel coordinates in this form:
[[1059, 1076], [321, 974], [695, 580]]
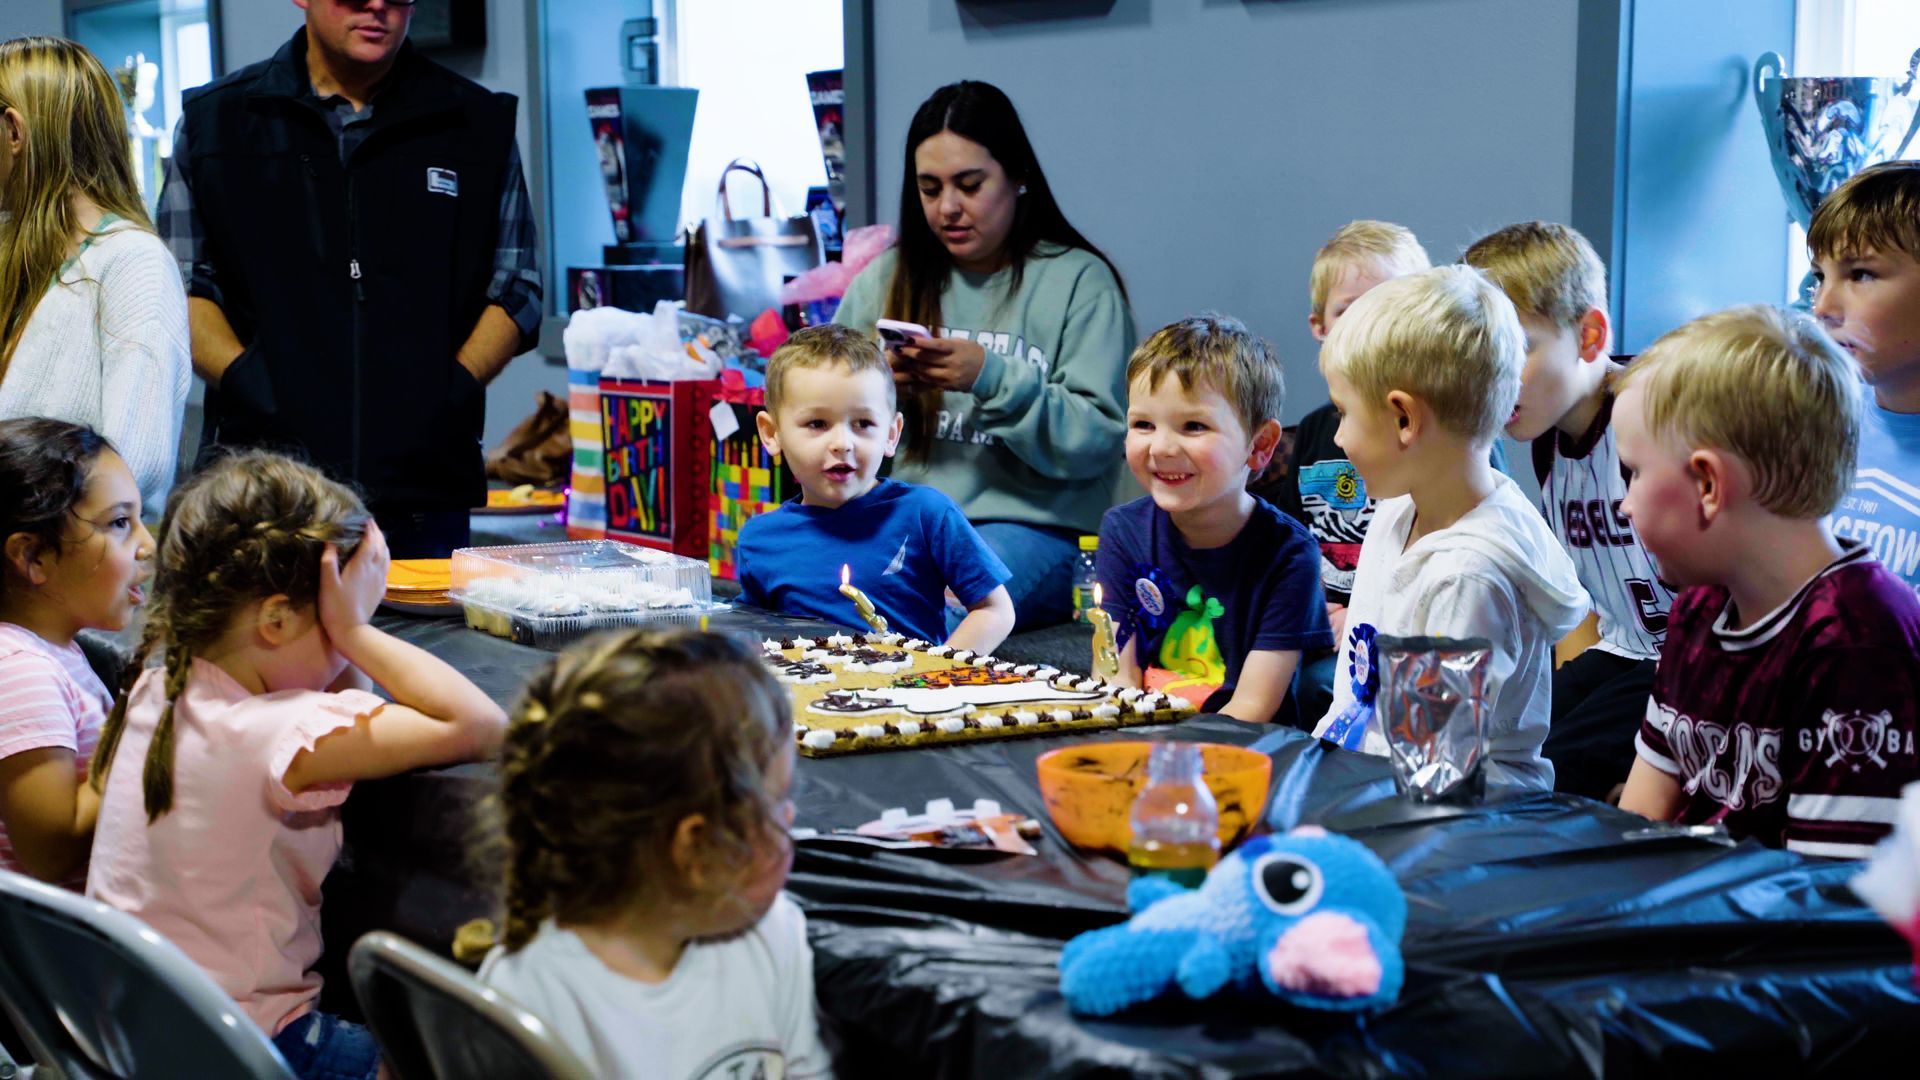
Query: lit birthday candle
[[1106, 662], [860, 601]]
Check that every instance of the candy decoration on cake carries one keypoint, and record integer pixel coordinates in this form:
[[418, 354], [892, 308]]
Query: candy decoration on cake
[[1311, 918], [876, 692]]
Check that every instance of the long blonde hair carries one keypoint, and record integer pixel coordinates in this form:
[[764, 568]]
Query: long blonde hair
[[76, 144]]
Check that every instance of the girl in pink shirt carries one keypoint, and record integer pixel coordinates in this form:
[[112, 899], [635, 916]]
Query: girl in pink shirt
[[224, 769], [75, 555]]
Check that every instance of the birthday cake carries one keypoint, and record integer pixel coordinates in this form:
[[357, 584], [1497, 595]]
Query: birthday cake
[[861, 692]]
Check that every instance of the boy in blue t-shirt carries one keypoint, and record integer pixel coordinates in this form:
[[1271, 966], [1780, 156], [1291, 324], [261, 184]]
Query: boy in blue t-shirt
[[831, 412], [1865, 242], [1202, 578]]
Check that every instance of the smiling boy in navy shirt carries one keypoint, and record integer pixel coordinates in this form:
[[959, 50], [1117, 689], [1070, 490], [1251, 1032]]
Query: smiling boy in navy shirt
[[831, 412], [1202, 578]]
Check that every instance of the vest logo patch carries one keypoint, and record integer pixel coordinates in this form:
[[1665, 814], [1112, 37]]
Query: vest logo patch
[[443, 182]]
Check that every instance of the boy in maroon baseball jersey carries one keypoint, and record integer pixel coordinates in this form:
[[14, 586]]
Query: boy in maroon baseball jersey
[[1785, 702]]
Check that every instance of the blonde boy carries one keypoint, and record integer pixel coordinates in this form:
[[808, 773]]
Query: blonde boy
[[1424, 370], [830, 411], [1321, 488], [1559, 288], [1784, 707], [1865, 242], [1203, 578]]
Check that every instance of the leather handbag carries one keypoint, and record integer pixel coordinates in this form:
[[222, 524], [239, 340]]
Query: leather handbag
[[735, 266]]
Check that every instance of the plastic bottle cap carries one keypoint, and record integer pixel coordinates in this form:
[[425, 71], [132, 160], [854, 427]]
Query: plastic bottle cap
[[1089, 543]]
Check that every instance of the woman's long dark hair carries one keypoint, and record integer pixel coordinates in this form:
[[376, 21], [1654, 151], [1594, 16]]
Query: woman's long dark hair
[[982, 113]]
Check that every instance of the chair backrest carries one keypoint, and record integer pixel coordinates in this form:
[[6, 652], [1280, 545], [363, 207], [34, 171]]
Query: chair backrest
[[97, 993], [433, 1019]]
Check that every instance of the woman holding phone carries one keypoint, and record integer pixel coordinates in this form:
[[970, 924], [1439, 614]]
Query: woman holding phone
[[1015, 399]]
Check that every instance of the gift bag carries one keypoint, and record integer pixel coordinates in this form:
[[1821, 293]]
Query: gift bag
[[658, 445], [746, 479], [735, 266], [587, 487]]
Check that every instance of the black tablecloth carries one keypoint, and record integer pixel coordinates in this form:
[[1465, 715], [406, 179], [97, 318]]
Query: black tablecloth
[[1548, 935]]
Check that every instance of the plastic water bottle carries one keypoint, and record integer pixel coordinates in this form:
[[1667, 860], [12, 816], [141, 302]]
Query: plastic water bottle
[[1085, 576], [1176, 826]]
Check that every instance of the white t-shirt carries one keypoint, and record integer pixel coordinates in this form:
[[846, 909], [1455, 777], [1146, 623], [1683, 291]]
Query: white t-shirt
[[1497, 573], [740, 1009]]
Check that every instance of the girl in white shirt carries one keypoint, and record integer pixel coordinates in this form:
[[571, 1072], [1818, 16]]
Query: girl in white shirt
[[93, 316], [645, 787]]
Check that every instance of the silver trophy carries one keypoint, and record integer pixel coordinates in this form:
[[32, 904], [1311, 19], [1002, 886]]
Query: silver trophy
[[1822, 131]]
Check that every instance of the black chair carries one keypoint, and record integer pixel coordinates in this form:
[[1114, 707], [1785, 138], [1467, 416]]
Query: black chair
[[433, 1019], [96, 993]]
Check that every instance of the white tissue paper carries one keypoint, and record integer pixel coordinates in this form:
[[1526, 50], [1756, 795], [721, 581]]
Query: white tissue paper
[[1890, 884], [636, 345]]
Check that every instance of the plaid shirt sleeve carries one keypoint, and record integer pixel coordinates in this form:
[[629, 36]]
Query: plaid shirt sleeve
[[517, 285], [179, 223]]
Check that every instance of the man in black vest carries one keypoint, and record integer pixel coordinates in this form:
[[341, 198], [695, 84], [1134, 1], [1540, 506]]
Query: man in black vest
[[353, 225]]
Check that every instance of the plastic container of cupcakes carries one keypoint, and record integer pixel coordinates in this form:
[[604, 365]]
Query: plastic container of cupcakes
[[548, 594]]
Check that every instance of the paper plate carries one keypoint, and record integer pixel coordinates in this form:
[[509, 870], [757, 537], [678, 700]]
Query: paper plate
[[522, 500]]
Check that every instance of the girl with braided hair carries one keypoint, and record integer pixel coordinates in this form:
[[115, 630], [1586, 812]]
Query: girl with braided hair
[[75, 557], [222, 771], [645, 795]]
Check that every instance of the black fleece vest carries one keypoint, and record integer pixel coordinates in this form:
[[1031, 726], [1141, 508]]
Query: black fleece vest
[[353, 285]]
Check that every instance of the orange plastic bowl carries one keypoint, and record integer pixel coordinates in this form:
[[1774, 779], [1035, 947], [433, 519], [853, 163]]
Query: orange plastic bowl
[[1089, 789]]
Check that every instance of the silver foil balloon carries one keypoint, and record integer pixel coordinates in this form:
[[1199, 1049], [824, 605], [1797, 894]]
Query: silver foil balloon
[[1433, 702], [1821, 131]]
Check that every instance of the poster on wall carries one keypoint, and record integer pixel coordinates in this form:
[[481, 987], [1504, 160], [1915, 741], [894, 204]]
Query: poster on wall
[[829, 115]]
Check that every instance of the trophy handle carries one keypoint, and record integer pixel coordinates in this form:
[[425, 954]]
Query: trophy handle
[[1770, 65], [1913, 69]]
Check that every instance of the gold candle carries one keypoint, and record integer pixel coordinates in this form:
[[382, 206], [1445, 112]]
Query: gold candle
[[1106, 662], [874, 619]]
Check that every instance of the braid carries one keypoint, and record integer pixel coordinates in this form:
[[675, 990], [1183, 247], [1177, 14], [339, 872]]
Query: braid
[[529, 888], [157, 777], [150, 635]]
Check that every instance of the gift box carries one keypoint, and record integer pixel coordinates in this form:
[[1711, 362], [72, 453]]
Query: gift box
[[746, 479], [658, 439]]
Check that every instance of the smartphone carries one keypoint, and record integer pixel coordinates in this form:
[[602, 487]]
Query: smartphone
[[895, 333]]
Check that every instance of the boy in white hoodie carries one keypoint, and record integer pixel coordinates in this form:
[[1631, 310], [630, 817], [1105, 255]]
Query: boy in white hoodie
[[1425, 370]]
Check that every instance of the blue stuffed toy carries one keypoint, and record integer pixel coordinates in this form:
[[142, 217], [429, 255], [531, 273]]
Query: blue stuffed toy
[[1313, 917]]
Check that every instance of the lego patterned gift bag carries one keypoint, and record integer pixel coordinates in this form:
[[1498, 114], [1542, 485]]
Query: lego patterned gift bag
[[746, 479]]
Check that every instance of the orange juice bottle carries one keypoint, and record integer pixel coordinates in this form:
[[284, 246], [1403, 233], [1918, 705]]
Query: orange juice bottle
[[1176, 826]]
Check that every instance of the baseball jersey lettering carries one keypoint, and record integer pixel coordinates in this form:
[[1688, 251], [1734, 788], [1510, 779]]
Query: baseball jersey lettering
[[1581, 488]]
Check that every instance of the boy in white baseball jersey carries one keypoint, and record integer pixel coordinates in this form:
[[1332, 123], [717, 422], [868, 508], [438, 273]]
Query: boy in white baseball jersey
[[1557, 284]]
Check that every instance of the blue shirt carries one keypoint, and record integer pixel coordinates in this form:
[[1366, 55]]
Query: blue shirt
[[906, 545], [1204, 610], [1883, 508]]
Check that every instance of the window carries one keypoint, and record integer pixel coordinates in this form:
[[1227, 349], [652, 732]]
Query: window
[[749, 59], [157, 50], [1850, 38]]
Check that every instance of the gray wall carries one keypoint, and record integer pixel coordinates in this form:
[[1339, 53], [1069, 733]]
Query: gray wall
[[19, 18], [1211, 146], [254, 29]]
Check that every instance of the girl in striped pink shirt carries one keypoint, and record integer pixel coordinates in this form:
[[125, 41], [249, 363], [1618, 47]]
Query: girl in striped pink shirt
[[75, 556]]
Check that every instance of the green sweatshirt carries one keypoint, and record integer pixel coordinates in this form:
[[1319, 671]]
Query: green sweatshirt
[[1039, 440]]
